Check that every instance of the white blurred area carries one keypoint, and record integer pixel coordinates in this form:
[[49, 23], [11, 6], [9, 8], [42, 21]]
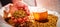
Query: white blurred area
[[30, 2], [48, 4], [0, 5]]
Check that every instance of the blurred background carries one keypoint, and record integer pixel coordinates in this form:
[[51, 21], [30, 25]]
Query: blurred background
[[48, 4]]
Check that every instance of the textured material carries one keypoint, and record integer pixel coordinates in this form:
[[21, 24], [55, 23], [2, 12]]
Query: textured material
[[52, 21]]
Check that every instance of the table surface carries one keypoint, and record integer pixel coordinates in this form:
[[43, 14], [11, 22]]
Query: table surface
[[6, 25]]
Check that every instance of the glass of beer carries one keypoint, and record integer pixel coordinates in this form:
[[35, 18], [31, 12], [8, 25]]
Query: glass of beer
[[40, 14]]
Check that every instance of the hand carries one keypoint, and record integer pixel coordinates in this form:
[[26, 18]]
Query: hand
[[19, 4]]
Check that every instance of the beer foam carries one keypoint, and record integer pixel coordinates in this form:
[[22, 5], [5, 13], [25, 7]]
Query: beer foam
[[37, 9]]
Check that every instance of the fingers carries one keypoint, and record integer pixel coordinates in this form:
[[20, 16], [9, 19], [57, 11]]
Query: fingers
[[12, 9], [20, 4]]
